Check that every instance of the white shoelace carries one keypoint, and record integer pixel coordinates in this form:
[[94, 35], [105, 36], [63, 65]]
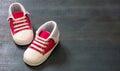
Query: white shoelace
[[41, 42], [23, 22]]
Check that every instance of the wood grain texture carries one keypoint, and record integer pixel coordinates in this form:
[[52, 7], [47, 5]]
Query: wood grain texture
[[89, 41]]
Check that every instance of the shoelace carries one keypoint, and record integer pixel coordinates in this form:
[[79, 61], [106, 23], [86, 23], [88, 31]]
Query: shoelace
[[41, 42], [20, 23]]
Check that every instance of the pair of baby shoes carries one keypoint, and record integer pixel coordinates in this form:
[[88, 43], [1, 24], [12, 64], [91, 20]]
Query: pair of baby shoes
[[44, 42]]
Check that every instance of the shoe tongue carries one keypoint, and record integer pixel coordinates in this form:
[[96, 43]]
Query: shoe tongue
[[18, 14], [44, 34]]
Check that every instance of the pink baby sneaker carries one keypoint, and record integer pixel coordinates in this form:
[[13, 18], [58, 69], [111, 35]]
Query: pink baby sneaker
[[20, 26], [46, 39]]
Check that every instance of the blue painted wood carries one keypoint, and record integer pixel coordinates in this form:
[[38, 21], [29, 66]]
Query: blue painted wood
[[89, 41]]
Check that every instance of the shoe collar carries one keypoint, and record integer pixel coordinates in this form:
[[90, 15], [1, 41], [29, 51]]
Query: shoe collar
[[22, 8], [54, 32]]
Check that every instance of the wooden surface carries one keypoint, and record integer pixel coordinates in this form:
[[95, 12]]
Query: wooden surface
[[89, 41]]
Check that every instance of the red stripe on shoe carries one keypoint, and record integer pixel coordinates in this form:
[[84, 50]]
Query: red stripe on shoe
[[37, 45], [22, 30], [35, 49], [40, 42], [50, 46], [21, 26]]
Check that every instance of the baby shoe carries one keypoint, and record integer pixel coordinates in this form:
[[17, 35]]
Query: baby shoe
[[20, 26], [46, 39]]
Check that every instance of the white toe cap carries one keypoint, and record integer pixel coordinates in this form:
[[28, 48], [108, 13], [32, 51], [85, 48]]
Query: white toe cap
[[23, 37], [33, 58]]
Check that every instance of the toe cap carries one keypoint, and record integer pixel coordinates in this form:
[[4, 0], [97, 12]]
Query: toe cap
[[33, 58], [23, 37]]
